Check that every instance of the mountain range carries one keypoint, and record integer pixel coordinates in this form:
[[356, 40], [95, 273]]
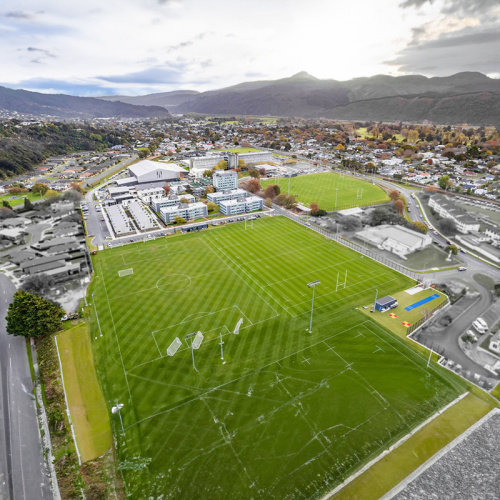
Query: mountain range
[[467, 97], [67, 106]]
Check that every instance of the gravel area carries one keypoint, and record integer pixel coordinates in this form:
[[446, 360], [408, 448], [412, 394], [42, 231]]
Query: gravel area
[[469, 470]]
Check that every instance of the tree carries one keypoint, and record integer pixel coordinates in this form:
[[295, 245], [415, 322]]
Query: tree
[[144, 152], [166, 188], [277, 189], [32, 316], [280, 199], [253, 185], [252, 172], [452, 248], [207, 173], [447, 226], [39, 187], [420, 227], [76, 187], [241, 164], [269, 192], [179, 220], [6, 204], [51, 194], [314, 208], [27, 204], [6, 213], [184, 200], [290, 202], [211, 206], [444, 181], [400, 206], [222, 165], [268, 202], [394, 195], [209, 189], [39, 284], [351, 223]]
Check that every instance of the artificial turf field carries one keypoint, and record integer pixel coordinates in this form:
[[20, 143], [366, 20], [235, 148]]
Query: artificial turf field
[[321, 189], [290, 414]]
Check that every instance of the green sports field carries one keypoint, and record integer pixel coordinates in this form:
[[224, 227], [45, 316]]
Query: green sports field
[[290, 414], [321, 189]]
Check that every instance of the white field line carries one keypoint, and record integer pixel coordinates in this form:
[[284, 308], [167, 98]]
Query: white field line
[[312, 271], [213, 389], [244, 272], [116, 335]]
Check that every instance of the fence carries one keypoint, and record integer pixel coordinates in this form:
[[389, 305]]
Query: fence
[[422, 320], [353, 246]]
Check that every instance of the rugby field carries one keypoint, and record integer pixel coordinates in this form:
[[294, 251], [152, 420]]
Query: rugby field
[[289, 414], [321, 189]]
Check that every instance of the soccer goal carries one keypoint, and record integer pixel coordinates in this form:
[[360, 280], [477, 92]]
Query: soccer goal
[[198, 339], [174, 347], [125, 272]]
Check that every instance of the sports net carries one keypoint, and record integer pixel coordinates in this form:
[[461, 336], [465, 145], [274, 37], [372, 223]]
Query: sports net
[[198, 339], [174, 346], [125, 272]]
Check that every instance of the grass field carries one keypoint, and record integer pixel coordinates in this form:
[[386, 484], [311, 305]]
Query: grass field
[[238, 150], [18, 199], [85, 400], [290, 414], [321, 189]]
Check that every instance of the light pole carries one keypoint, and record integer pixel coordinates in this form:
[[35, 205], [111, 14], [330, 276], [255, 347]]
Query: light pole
[[313, 286], [221, 343], [375, 301], [336, 193]]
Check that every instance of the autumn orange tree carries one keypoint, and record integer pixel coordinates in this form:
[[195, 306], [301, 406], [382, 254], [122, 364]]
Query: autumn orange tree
[[394, 195], [400, 206]]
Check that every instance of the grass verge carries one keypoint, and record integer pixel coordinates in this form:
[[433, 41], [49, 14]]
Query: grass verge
[[86, 403]]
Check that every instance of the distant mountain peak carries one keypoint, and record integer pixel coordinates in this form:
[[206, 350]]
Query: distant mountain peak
[[303, 75]]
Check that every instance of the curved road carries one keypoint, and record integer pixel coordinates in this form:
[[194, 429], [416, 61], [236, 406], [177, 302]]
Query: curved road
[[22, 467]]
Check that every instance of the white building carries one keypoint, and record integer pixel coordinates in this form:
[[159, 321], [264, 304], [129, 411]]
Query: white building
[[447, 209], [148, 195], [152, 171], [226, 195], [202, 163], [241, 205], [171, 201], [120, 222], [142, 217], [225, 180], [396, 239], [256, 157], [184, 210]]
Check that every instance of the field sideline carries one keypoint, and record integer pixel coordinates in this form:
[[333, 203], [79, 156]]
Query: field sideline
[[289, 414], [321, 189]]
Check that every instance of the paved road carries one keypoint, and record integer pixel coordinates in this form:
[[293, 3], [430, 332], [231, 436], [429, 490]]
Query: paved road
[[96, 178], [22, 468]]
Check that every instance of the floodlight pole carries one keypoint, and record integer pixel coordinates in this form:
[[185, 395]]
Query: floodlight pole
[[97, 317], [313, 286], [375, 302], [221, 343], [336, 193]]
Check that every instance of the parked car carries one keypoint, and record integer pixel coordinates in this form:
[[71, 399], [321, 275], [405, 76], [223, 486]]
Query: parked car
[[482, 323], [462, 268], [479, 327]]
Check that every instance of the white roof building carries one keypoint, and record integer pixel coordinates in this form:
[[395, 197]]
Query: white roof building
[[152, 171]]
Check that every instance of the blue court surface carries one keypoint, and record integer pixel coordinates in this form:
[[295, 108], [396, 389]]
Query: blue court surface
[[422, 302]]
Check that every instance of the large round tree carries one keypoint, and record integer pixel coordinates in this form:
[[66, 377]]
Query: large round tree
[[32, 316]]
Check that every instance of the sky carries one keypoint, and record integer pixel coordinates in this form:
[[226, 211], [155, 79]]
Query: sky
[[134, 47]]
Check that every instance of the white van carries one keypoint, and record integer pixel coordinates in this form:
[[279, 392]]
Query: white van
[[482, 323], [479, 327]]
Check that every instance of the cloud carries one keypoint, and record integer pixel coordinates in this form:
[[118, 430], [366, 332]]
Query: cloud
[[467, 51], [149, 76], [18, 15], [188, 43], [456, 7], [42, 51]]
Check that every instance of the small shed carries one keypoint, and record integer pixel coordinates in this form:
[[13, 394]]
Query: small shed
[[386, 303]]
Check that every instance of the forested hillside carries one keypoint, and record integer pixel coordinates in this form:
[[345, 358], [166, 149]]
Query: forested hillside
[[22, 147]]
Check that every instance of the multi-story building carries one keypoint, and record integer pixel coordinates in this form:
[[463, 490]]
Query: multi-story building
[[241, 205], [150, 194], [202, 163], [142, 217], [226, 195], [171, 201], [256, 157], [119, 220], [225, 180], [447, 209], [185, 210]]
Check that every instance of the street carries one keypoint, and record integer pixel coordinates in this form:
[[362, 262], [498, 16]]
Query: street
[[22, 466]]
